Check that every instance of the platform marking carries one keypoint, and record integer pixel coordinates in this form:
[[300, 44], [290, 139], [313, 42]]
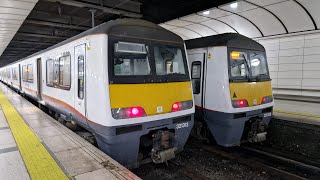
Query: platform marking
[[37, 159], [297, 113]]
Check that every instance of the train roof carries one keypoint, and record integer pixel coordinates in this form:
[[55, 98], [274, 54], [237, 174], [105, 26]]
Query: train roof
[[126, 27], [233, 40]]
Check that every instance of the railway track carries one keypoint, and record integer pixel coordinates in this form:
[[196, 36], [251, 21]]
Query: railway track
[[279, 166], [188, 172]]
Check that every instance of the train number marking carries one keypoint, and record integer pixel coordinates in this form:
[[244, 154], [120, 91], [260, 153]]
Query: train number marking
[[182, 125], [267, 114]]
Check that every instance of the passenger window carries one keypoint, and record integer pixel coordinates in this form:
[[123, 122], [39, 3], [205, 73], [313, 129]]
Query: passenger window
[[59, 72], [64, 71], [30, 73], [50, 72], [8, 70], [81, 76], [56, 71], [14, 73], [196, 76], [24, 73]]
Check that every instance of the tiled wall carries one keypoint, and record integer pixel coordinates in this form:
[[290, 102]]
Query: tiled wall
[[294, 64]]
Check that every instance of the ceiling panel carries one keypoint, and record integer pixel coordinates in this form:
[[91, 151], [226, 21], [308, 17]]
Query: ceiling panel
[[195, 18], [187, 33], [242, 25], [214, 13], [12, 15], [179, 23], [267, 23], [313, 7], [18, 4], [202, 29], [218, 26], [238, 6], [292, 15], [5, 10], [265, 2]]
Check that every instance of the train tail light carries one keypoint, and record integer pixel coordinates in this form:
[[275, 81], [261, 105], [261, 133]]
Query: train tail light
[[183, 105], [126, 113], [266, 99], [239, 103]]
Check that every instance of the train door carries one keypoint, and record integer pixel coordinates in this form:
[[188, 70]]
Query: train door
[[80, 92], [197, 66], [39, 78], [20, 87]]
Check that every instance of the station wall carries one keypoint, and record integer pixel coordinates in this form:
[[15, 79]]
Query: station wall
[[294, 64]]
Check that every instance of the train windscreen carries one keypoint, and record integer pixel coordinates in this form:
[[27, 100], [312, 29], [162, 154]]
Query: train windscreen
[[148, 62], [248, 66]]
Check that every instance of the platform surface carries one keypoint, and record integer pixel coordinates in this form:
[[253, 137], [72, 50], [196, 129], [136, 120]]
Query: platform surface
[[35, 146], [304, 112]]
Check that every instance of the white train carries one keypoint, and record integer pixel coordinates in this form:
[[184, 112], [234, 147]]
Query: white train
[[126, 81], [232, 88]]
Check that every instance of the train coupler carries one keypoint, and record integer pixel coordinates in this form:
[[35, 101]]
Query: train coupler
[[163, 146], [163, 156], [257, 131], [258, 137]]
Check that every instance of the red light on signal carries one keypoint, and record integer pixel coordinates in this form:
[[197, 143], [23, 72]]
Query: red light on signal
[[176, 106]]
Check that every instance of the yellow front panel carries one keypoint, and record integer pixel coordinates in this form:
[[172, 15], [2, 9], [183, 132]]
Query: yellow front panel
[[150, 96], [253, 92]]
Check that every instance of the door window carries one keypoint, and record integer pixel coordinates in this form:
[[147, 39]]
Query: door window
[[80, 76], [196, 76]]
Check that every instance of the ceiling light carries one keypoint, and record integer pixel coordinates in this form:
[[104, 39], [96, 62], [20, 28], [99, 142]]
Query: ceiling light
[[234, 5], [206, 12]]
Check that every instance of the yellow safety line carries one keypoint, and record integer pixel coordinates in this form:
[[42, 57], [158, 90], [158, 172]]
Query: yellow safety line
[[37, 159], [297, 113]]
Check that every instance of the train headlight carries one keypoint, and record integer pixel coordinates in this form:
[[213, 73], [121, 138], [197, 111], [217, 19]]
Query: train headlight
[[179, 106], [267, 99], [130, 112], [239, 103]]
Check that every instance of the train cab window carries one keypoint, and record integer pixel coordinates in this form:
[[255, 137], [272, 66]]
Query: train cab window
[[131, 59], [196, 76], [30, 73], [258, 66], [238, 65], [81, 77], [169, 60]]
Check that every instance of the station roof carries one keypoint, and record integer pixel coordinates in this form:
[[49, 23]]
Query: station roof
[[252, 18], [28, 26]]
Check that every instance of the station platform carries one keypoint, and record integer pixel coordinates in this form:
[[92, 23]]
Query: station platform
[[298, 111], [33, 145]]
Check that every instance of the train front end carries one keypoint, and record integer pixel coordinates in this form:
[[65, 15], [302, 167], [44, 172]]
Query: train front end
[[250, 93], [151, 102]]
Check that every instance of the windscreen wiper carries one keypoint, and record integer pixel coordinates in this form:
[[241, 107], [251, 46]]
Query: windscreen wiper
[[246, 62]]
